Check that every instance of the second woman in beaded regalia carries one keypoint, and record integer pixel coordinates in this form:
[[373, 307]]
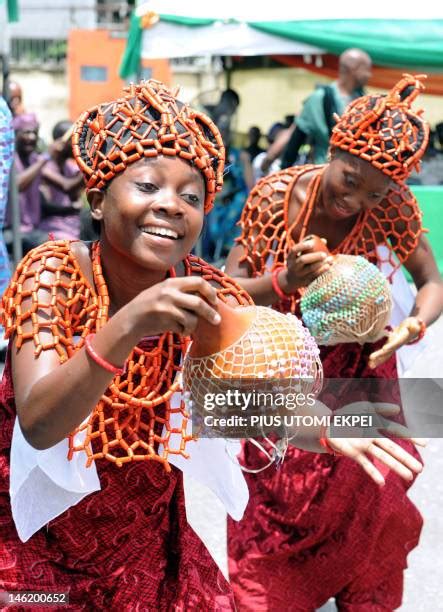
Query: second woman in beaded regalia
[[316, 528]]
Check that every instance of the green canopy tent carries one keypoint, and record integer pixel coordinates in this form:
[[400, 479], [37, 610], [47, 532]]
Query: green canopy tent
[[411, 43], [168, 29]]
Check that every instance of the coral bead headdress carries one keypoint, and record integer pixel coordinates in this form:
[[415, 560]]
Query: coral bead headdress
[[384, 129], [148, 121]]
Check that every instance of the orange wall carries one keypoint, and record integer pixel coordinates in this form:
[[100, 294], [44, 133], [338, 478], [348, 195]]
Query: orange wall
[[98, 48]]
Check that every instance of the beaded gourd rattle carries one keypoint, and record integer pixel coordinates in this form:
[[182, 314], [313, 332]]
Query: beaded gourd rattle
[[350, 302], [251, 343]]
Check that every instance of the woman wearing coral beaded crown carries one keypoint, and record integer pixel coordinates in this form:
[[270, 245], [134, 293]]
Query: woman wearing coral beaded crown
[[74, 313], [339, 535], [97, 335]]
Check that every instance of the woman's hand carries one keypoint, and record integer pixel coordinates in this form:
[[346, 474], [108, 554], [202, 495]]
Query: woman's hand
[[404, 333], [303, 265], [174, 305], [381, 448], [385, 450]]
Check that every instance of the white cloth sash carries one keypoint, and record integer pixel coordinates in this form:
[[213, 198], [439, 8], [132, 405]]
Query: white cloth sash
[[43, 483]]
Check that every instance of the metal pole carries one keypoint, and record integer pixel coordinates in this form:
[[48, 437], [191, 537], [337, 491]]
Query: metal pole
[[14, 207], [228, 71], [13, 201]]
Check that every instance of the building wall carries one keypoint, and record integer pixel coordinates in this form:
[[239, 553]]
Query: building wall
[[52, 19], [46, 94], [99, 50]]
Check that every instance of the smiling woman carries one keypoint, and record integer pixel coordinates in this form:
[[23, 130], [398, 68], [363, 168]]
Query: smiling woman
[[97, 336], [338, 527], [351, 185], [153, 212], [97, 333]]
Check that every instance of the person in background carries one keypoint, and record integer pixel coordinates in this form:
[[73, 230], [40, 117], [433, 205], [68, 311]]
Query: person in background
[[315, 122], [15, 98], [62, 186], [270, 161], [267, 161], [6, 159], [253, 148], [221, 224], [223, 112], [29, 165], [439, 137]]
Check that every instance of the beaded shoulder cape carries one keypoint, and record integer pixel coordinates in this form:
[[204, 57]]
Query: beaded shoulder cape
[[50, 302], [266, 236]]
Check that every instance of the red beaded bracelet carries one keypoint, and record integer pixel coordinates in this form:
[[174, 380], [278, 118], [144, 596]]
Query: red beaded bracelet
[[276, 287], [324, 441], [99, 360], [421, 332]]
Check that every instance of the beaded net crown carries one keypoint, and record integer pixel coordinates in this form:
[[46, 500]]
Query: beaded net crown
[[148, 121], [384, 129]]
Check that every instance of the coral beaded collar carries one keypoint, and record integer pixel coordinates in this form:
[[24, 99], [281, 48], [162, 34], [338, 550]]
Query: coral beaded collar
[[133, 418], [140, 416]]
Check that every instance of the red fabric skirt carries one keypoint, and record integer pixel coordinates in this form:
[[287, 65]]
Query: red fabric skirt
[[127, 547], [319, 527]]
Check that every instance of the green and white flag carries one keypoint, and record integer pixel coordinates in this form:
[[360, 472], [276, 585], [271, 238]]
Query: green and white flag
[[12, 11], [130, 64], [139, 26]]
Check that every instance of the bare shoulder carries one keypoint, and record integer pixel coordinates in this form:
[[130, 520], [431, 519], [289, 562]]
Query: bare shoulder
[[299, 192], [82, 254]]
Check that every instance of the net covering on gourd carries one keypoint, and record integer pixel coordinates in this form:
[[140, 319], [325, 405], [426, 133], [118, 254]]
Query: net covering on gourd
[[351, 302], [275, 347]]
